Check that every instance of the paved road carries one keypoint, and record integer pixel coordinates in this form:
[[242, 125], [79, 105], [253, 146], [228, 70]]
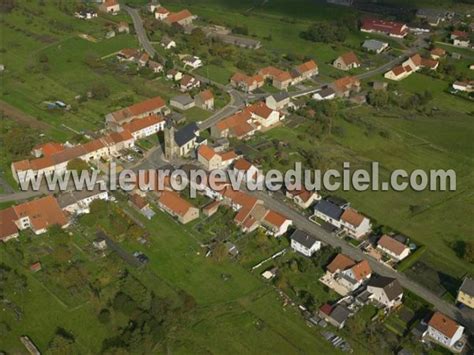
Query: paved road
[[141, 33], [466, 316]]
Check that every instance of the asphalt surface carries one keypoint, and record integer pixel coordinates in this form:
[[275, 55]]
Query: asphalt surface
[[464, 316]]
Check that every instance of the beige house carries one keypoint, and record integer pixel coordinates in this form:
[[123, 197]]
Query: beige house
[[178, 207], [347, 61], [466, 293]]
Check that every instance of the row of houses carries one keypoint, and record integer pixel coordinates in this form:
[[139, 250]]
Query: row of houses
[[127, 125], [41, 214], [246, 122], [280, 79], [411, 65]]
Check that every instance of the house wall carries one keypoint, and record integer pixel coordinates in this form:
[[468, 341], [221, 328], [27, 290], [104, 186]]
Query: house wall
[[466, 299], [443, 339], [335, 223], [189, 216], [357, 232], [303, 250]]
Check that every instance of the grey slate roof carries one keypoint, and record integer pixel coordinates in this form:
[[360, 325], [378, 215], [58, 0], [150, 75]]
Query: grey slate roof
[[71, 197], [326, 92], [373, 45], [391, 286], [280, 96], [186, 134], [329, 209], [340, 314], [183, 99], [303, 238], [467, 286]]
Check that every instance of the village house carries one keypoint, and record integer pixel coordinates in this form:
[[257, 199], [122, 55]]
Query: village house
[[247, 172], [347, 61], [466, 293], [238, 125], [213, 160], [460, 38], [355, 224], [335, 315], [192, 61], [275, 223], [280, 79], [326, 93], [247, 83], [437, 53], [144, 127], [328, 212], [343, 87], [78, 202], [47, 149], [345, 275], [443, 330], [304, 243], [142, 205], [465, 86], [155, 66], [393, 248], [128, 55], [390, 28], [161, 13], [123, 27], [264, 116], [411, 65], [177, 207], [167, 43], [188, 83], [249, 209], [143, 60], [153, 106], [302, 197], [174, 74], [182, 102], [110, 6], [307, 69], [278, 101], [373, 45], [37, 215], [205, 100], [385, 291], [182, 18], [211, 208]]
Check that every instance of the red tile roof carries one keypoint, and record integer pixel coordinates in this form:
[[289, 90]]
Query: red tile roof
[[350, 58], [43, 213], [175, 203], [443, 324], [391, 244], [178, 16], [142, 123], [139, 109], [346, 83], [206, 152], [275, 219], [306, 67], [352, 217], [394, 28], [362, 270], [340, 262], [7, 223], [260, 109], [206, 95], [49, 148], [242, 164]]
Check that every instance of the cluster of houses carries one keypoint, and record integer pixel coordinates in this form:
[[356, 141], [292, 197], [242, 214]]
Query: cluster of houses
[[126, 126], [41, 214], [411, 65], [184, 82], [181, 18], [140, 58], [280, 79], [204, 100], [245, 123]]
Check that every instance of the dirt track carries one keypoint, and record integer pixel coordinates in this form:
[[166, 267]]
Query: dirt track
[[10, 112]]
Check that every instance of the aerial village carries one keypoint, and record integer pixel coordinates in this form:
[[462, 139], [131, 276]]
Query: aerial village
[[366, 262]]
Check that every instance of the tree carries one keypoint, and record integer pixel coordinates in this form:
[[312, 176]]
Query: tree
[[100, 91], [104, 316], [62, 342], [377, 98], [123, 303]]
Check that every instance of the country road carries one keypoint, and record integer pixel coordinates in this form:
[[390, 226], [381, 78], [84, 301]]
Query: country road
[[464, 316]]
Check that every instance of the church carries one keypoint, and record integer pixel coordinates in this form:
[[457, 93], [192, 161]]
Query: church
[[179, 143]]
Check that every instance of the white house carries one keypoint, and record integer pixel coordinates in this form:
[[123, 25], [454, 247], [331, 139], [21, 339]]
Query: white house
[[444, 330], [304, 243], [278, 101], [78, 202], [324, 94], [466, 86], [264, 115], [328, 212], [192, 61], [246, 171], [355, 224], [393, 248], [144, 127], [275, 223], [110, 6], [167, 43], [385, 291], [303, 197], [213, 160]]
